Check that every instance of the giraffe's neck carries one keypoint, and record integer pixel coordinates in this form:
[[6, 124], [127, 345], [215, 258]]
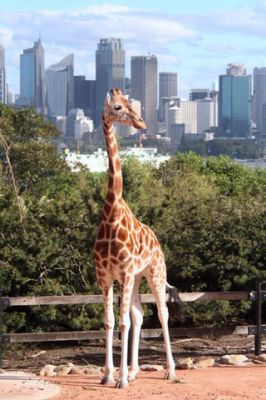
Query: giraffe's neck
[[115, 182]]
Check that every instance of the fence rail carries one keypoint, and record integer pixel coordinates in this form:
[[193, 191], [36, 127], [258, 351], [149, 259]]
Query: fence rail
[[98, 299], [5, 302]]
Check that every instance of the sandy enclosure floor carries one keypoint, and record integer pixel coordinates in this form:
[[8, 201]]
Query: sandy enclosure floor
[[216, 383]]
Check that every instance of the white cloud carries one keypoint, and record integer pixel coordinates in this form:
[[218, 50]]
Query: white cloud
[[197, 40], [79, 31], [6, 34]]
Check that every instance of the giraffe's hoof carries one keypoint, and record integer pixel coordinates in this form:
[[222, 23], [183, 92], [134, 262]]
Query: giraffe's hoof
[[107, 380], [132, 375], [121, 384], [170, 376]]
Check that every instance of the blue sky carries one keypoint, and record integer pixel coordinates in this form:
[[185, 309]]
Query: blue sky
[[195, 38]]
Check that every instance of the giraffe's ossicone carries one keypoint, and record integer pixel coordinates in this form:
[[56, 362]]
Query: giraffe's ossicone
[[126, 250]]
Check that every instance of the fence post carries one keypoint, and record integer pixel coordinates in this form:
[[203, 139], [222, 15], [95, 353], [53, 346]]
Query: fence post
[[258, 320]]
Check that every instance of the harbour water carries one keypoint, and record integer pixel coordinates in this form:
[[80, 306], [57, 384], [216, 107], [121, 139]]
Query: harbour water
[[256, 163]]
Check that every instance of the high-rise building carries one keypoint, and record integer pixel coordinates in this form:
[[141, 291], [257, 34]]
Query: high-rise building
[[60, 87], [110, 70], [77, 124], [167, 88], [236, 69], [32, 83], [199, 94], [234, 119], [84, 95], [188, 115], [206, 114], [144, 76], [259, 98], [3, 94]]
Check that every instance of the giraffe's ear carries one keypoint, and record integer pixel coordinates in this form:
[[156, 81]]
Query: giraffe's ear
[[107, 98]]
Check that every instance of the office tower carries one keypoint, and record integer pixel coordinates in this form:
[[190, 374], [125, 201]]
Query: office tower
[[206, 114], [236, 69], [77, 124], [60, 87], [199, 94], [196, 116], [110, 70], [60, 122], [3, 94], [32, 84], [167, 88], [259, 98], [84, 95], [144, 85], [188, 115], [234, 103]]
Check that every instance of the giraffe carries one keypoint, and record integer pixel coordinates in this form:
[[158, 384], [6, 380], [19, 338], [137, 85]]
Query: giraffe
[[126, 250]]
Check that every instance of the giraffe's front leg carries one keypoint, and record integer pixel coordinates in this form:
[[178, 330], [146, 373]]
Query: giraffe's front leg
[[126, 292], [108, 377]]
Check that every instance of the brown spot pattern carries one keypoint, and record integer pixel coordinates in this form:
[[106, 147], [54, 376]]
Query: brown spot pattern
[[123, 243]]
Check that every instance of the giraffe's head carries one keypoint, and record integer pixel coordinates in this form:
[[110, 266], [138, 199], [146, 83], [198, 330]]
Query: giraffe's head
[[117, 109]]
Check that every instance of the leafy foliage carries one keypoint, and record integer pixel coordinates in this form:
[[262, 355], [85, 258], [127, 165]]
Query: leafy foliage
[[209, 215]]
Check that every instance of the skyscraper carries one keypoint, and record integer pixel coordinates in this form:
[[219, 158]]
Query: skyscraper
[[236, 69], [110, 70], [259, 98], [60, 87], [167, 88], [199, 94], [144, 76], [234, 118], [84, 95], [32, 84], [3, 94]]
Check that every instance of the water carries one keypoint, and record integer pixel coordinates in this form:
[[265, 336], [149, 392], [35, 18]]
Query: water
[[259, 163]]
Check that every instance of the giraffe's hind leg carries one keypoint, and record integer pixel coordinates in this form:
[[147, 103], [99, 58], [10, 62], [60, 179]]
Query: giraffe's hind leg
[[137, 319], [157, 283]]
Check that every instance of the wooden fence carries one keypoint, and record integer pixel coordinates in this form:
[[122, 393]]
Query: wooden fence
[[5, 302]]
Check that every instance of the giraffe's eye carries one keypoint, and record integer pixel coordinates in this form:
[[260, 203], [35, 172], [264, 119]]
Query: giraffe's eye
[[118, 108]]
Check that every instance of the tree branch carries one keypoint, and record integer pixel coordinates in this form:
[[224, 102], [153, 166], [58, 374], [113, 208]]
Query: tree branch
[[7, 148]]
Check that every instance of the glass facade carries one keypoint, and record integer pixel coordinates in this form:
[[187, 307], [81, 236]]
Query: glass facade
[[259, 98], [2, 76], [32, 86], [234, 106], [144, 87], [27, 79], [110, 70], [84, 95], [60, 87], [167, 88]]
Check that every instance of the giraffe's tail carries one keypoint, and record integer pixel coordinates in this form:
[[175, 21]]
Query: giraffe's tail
[[175, 304]]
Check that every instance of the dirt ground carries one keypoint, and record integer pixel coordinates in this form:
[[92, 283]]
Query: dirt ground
[[224, 383], [214, 383]]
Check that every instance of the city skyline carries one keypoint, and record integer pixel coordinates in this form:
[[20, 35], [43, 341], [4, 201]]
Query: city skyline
[[196, 39]]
